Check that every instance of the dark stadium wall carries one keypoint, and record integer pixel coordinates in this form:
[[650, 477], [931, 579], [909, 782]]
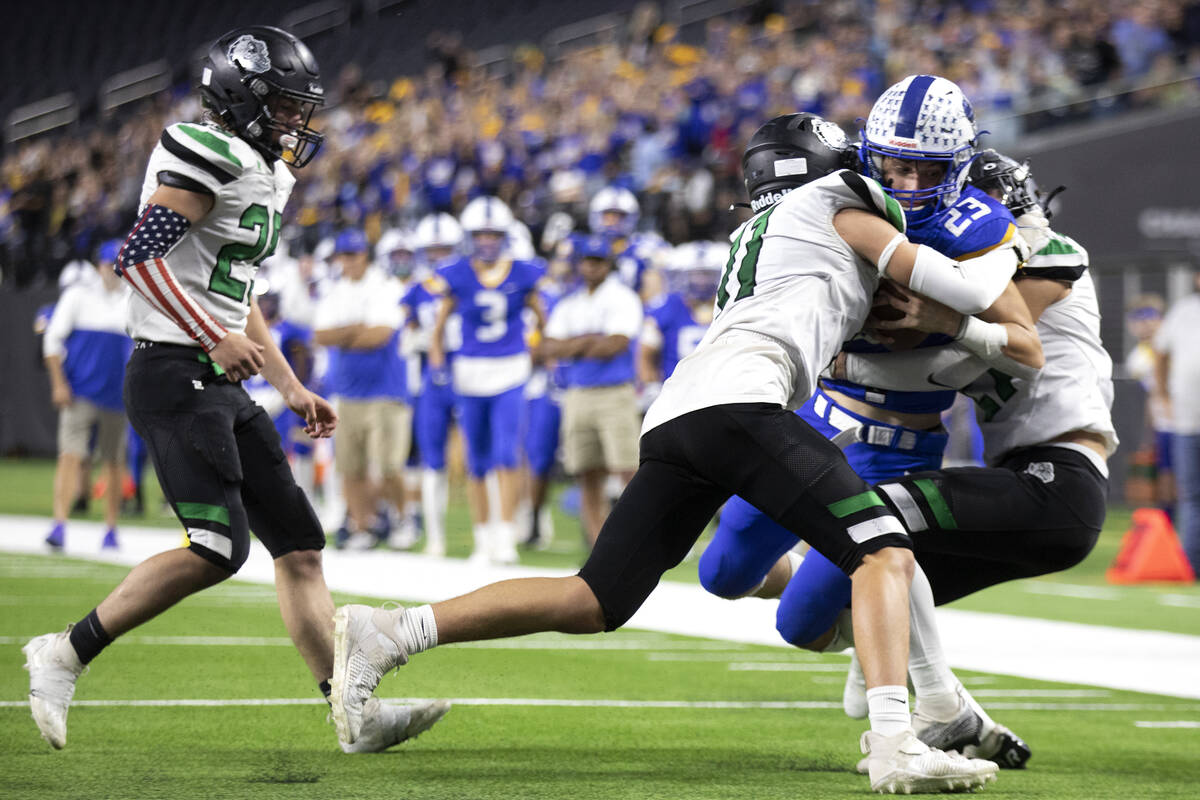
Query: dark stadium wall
[[1131, 185], [27, 420]]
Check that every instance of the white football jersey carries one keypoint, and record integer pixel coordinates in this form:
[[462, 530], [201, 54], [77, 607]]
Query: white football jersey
[[216, 260], [792, 291], [1074, 389]]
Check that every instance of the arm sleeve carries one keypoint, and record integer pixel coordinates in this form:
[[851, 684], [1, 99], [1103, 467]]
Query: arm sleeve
[[969, 286], [927, 369], [142, 263], [62, 322]]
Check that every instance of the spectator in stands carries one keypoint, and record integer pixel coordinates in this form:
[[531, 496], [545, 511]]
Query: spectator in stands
[[1176, 379], [359, 320], [592, 331], [85, 349]]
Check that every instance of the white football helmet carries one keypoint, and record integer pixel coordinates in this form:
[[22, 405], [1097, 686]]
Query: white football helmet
[[488, 214], [614, 198], [437, 230], [921, 118], [694, 269]]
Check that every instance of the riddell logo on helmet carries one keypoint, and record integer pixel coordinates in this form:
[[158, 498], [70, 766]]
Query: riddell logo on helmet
[[768, 199], [909, 143]]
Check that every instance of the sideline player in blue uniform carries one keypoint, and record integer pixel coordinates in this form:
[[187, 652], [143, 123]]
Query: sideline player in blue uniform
[[438, 237], [489, 290], [675, 322], [918, 141]]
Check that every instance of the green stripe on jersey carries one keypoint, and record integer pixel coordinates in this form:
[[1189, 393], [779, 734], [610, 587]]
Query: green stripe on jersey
[[204, 511], [850, 505], [875, 198], [1058, 245], [937, 504], [212, 141]]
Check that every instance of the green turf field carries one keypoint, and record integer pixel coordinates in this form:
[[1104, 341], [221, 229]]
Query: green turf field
[[484, 750], [626, 715]]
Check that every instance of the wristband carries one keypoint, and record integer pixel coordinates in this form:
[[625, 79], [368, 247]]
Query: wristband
[[889, 250], [984, 339]]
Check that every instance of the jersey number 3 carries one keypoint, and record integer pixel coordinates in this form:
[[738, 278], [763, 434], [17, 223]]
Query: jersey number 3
[[957, 222], [255, 218]]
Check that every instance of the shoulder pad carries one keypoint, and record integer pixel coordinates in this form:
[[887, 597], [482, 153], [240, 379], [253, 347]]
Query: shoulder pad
[[857, 191], [1062, 258], [212, 154], [990, 233]]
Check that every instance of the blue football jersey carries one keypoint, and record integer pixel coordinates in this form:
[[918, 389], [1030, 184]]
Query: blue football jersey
[[679, 328], [491, 314], [975, 224]]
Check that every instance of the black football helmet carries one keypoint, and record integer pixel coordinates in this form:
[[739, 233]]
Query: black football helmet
[[247, 72], [991, 171], [790, 151]]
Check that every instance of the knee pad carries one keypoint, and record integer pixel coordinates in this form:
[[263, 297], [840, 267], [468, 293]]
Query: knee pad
[[816, 594], [219, 549]]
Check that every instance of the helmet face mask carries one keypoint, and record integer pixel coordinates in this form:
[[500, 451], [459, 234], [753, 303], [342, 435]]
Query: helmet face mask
[[614, 211], [1002, 177], [264, 86], [790, 151], [923, 118]]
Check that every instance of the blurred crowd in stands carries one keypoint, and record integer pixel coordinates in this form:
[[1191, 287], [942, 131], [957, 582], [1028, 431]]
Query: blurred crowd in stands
[[648, 110]]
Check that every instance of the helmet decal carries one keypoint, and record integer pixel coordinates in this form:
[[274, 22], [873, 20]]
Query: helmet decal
[[249, 54], [921, 118]]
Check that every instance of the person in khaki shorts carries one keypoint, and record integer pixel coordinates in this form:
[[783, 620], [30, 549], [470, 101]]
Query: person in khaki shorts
[[592, 332], [359, 320], [85, 348]]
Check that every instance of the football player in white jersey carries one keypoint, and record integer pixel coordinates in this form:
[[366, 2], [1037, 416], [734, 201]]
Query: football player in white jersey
[[799, 283], [1039, 506], [211, 209]]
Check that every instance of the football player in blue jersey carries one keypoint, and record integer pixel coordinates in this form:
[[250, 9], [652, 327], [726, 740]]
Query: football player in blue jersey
[[489, 290], [614, 212], [676, 321], [437, 238], [919, 140]]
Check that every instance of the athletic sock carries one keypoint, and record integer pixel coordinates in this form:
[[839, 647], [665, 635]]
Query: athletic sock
[[482, 534], [843, 633], [933, 682], [435, 493], [326, 689], [416, 628], [88, 637], [887, 706]]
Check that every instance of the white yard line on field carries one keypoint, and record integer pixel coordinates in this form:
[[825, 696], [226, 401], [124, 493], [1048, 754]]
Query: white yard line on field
[[812, 705], [1116, 658]]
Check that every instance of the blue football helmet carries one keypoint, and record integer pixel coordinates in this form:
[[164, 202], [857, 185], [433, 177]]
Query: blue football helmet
[[921, 118]]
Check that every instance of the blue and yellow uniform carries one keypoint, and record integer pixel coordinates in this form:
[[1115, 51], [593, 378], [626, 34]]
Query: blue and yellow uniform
[[747, 542], [434, 401], [493, 364], [679, 328]]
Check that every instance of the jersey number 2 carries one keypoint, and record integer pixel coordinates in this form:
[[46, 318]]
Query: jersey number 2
[[255, 218], [956, 223]]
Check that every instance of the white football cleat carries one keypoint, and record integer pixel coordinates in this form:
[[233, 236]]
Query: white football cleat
[[854, 694], [53, 669], [903, 764], [364, 650], [385, 725]]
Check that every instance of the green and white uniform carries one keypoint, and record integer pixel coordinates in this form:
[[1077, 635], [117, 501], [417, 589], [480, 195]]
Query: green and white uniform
[[791, 293], [215, 262]]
